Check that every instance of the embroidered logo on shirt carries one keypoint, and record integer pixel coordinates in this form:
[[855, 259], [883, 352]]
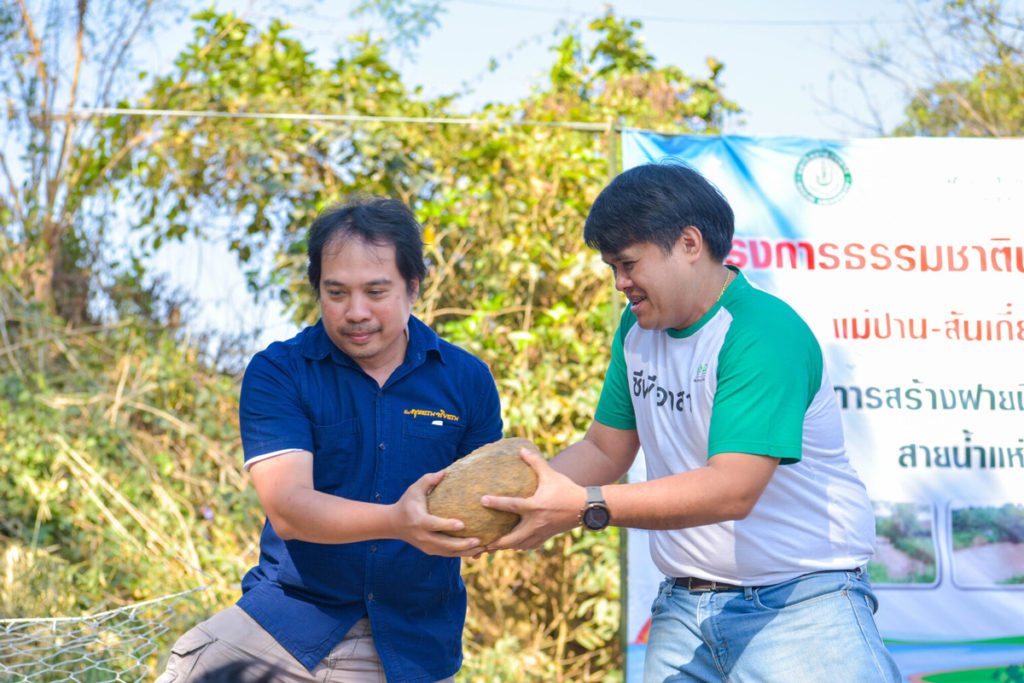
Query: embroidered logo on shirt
[[442, 414], [702, 372]]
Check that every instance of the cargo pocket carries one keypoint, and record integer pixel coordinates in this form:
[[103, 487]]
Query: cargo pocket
[[184, 655]]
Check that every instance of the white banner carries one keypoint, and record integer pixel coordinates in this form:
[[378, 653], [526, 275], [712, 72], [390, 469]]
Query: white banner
[[906, 258]]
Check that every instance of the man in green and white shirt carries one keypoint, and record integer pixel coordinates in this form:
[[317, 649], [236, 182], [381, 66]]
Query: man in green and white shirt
[[758, 521], [748, 377]]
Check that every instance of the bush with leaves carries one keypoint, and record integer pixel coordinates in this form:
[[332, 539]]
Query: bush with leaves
[[121, 478]]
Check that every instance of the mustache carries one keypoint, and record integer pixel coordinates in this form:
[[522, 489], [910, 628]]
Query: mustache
[[359, 329]]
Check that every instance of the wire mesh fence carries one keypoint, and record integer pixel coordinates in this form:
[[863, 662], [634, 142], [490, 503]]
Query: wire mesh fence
[[116, 645]]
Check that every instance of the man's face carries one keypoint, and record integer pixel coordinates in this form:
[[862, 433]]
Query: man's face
[[364, 302], [660, 286]]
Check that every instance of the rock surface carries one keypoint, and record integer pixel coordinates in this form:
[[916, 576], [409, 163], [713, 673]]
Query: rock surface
[[495, 469]]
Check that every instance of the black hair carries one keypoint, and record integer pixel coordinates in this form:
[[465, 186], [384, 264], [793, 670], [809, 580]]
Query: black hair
[[375, 220], [654, 203]]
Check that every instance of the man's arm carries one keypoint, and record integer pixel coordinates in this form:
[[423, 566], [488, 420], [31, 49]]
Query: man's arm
[[296, 510], [602, 457], [727, 488]]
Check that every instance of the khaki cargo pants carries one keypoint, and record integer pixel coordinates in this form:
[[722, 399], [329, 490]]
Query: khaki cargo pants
[[231, 646]]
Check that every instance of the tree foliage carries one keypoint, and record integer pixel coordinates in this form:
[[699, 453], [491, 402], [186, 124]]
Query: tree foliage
[[408, 20], [981, 89], [125, 441], [979, 525], [55, 167], [960, 68], [119, 477]]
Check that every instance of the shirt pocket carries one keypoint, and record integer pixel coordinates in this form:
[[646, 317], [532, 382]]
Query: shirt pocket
[[338, 456], [430, 445]]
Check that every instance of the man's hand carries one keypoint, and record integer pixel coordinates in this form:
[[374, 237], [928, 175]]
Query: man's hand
[[417, 527], [553, 508]]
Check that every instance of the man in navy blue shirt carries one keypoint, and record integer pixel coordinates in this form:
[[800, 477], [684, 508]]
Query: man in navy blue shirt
[[345, 427]]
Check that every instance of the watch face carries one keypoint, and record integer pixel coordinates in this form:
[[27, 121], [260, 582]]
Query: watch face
[[596, 517]]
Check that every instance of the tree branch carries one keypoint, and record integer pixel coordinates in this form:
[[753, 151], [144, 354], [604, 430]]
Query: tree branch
[[16, 205], [63, 156]]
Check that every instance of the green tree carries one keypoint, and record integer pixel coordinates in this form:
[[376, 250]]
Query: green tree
[[960, 68], [54, 167], [981, 92], [408, 20], [271, 147]]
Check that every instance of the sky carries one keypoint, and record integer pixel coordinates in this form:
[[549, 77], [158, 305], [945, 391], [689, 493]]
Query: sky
[[784, 66], [783, 60]]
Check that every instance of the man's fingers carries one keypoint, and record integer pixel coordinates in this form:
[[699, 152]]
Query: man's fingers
[[506, 541], [520, 537], [461, 547], [430, 479], [517, 541], [533, 459], [448, 524], [505, 503]]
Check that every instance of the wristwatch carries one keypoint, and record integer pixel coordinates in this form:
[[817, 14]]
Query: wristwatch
[[595, 515]]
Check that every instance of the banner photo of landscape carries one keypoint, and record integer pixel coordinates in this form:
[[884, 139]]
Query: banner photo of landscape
[[906, 258]]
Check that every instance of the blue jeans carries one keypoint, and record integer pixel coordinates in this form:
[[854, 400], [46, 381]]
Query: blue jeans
[[817, 627]]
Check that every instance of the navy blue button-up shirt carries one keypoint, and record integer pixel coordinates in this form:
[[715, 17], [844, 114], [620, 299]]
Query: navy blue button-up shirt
[[369, 443]]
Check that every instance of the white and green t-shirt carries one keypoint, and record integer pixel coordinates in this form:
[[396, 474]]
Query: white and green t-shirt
[[748, 377]]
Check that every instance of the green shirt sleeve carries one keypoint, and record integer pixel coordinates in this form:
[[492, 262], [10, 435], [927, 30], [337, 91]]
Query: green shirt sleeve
[[615, 407], [769, 370]]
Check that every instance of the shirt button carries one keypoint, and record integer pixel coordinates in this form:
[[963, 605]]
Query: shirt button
[[376, 496], [381, 445], [369, 596], [373, 548]]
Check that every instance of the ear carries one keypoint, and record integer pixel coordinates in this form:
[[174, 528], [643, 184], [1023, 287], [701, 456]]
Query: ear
[[414, 290], [691, 241]]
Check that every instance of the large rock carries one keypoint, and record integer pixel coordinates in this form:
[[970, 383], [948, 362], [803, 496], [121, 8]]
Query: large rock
[[496, 469]]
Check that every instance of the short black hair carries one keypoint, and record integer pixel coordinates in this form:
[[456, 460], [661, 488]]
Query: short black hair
[[654, 203], [375, 220]]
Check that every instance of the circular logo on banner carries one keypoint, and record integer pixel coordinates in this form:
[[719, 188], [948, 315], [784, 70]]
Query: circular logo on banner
[[822, 177]]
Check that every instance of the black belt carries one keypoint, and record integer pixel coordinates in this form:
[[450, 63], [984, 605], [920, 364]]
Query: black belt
[[695, 585]]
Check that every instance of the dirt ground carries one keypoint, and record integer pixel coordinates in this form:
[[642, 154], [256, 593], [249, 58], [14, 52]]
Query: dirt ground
[[985, 565], [898, 563]]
